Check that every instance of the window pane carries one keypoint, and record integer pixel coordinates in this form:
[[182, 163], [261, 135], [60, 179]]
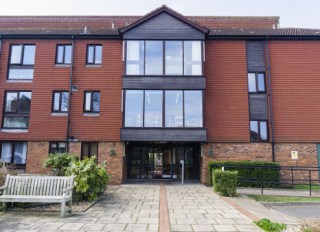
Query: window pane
[[135, 58], [134, 108], [6, 152], [20, 74], [263, 131], [94, 149], [67, 54], [64, 102], [193, 109], [154, 58], [85, 150], [11, 102], [60, 54], [16, 51], [88, 101], [192, 58], [90, 54], [96, 102], [98, 58], [24, 102], [29, 54], [20, 153], [56, 103], [254, 131], [62, 148], [252, 82], [16, 122], [173, 57], [173, 109], [261, 83], [153, 108]]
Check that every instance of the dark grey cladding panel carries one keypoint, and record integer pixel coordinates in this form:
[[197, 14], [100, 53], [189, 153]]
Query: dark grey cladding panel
[[163, 26], [258, 106], [130, 82], [164, 134], [255, 56]]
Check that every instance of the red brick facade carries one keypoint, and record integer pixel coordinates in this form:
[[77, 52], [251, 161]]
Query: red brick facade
[[294, 74]]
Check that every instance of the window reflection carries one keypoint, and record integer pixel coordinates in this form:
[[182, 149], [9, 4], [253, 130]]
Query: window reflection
[[193, 108], [173, 108], [134, 108], [192, 58], [154, 59], [173, 53], [153, 108]]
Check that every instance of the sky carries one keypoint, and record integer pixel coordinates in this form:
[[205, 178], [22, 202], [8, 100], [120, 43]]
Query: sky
[[293, 13]]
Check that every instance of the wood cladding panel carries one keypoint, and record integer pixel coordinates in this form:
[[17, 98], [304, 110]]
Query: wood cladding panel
[[163, 82], [163, 26], [164, 134], [258, 106], [255, 56]]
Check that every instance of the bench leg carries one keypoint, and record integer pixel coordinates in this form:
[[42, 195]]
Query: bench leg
[[4, 206], [63, 208], [70, 206]]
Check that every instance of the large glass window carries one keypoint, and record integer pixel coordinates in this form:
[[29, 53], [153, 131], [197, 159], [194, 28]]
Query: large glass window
[[256, 83], [135, 58], [174, 108], [14, 153], [17, 110], [154, 58], [57, 147], [89, 149], [192, 58], [193, 108], [134, 108], [153, 108], [21, 63], [174, 54], [170, 57]]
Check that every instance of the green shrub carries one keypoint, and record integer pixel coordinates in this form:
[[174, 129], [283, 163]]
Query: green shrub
[[58, 163], [225, 182], [6, 169], [269, 226], [270, 176], [89, 177]]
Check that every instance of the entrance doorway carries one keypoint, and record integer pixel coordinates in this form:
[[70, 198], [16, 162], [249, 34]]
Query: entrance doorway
[[162, 161]]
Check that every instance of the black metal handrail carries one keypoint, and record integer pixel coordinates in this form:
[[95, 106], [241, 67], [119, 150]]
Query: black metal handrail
[[281, 182]]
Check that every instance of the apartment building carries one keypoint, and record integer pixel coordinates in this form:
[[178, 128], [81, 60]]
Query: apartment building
[[146, 92]]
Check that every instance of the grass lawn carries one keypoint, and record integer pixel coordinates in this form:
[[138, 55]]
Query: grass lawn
[[306, 187], [264, 198]]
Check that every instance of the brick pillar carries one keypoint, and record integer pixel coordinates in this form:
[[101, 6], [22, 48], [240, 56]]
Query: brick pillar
[[112, 152], [37, 153]]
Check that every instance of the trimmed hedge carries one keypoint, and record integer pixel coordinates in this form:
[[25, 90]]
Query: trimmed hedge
[[225, 182], [250, 171]]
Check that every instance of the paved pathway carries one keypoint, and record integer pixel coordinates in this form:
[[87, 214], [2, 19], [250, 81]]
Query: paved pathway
[[136, 207]]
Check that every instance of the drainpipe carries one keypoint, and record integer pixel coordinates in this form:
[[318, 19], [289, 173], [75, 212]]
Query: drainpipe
[[270, 99], [0, 44], [70, 95]]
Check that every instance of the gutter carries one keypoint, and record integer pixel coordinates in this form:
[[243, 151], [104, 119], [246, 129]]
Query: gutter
[[70, 96], [270, 99]]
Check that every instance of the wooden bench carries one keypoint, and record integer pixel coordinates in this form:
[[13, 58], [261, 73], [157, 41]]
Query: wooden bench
[[41, 189]]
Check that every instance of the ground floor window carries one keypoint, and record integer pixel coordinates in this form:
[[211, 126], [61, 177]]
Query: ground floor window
[[57, 147], [14, 153], [162, 160], [89, 149]]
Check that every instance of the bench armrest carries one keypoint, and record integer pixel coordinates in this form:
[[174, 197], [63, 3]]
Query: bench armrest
[[67, 190], [3, 187]]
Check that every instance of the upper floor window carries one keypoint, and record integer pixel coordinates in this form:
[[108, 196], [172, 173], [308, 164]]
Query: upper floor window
[[14, 153], [21, 62], [158, 108], [60, 101], [152, 57], [94, 54], [256, 83], [92, 101], [57, 147], [258, 131], [64, 54], [17, 110]]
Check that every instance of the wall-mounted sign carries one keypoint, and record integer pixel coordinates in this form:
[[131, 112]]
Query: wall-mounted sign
[[294, 155]]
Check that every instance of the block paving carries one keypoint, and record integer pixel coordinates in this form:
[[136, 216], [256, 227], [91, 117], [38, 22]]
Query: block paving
[[139, 207]]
